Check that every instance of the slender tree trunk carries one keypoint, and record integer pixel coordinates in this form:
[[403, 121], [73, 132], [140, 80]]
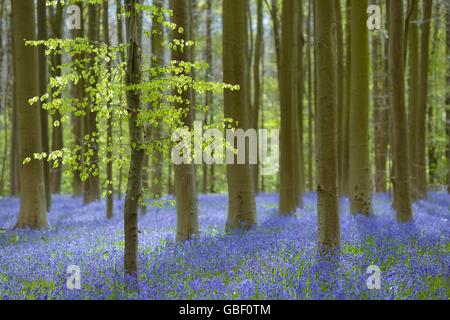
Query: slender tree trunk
[[379, 121], [300, 114], [388, 107], [42, 35], [77, 121], [209, 77], [13, 161], [158, 59], [122, 58], [263, 74], [146, 128], [311, 94], [33, 211], [360, 186], [92, 184], [109, 125], [185, 189], [447, 101], [345, 116], [423, 99], [432, 148], [57, 126], [259, 42], [289, 135], [413, 101], [327, 171], [398, 111], [276, 31], [212, 169], [241, 201], [3, 103], [193, 14], [340, 83], [134, 188]]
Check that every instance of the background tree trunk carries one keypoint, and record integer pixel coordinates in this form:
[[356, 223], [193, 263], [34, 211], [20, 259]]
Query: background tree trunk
[[447, 101], [300, 113], [413, 101], [241, 201], [42, 35], [311, 95], [3, 103], [122, 58], [57, 134], [109, 125], [379, 118], [33, 209], [289, 173], [158, 59], [259, 42], [340, 84], [398, 111], [185, 188], [360, 186], [14, 146], [423, 99], [208, 95], [92, 184], [77, 122], [344, 175]]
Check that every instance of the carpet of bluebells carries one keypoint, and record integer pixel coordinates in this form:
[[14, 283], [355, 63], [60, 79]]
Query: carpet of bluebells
[[276, 260]]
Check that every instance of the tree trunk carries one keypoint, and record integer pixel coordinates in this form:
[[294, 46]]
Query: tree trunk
[[379, 119], [423, 98], [289, 135], [311, 94], [344, 175], [398, 111], [185, 189], [241, 201], [42, 35], [134, 188], [3, 103], [413, 101], [447, 101], [122, 58], [77, 121], [92, 184], [109, 125], [33, 209], [57, 134], [276, 31], [209, 77], [259, 42], [340, 83], [360, 186], [158, 59], [300, 114], [327, 189], [13, 162]]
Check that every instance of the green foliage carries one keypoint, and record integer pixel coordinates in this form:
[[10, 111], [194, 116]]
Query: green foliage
[[97, 69]]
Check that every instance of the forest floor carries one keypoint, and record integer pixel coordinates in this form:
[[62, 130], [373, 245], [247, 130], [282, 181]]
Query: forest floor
[[276, 260]]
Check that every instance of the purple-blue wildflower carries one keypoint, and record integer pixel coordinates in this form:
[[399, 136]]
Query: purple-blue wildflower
[[276, 260]]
